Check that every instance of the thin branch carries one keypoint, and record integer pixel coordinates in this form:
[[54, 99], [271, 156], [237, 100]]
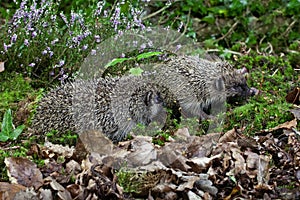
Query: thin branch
[[157, 12], [288, 29], [226, 51], [229, 31], [184, 30]]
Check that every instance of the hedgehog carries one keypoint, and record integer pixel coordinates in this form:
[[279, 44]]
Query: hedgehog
[[196, 84], [111, 105]]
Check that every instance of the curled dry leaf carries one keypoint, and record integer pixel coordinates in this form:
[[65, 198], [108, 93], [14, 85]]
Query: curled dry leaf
[[45, 194], [296, 112], [96, 141], [8, 191], [293, 96], [27, 194], [23, 171], [142, 152], [61, 191], [169, 158], [54, 150], [199, 164]]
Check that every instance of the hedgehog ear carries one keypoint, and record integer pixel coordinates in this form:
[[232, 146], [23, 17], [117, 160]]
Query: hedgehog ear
[[148, 98], [219, 84]]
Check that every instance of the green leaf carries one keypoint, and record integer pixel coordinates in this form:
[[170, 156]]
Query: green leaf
[[15, 134], [3, 138], [148, 55], [116, 61], [137, 71], [209, 18], [7, 125]]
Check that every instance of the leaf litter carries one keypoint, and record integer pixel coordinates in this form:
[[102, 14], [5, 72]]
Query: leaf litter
[[214, 166]]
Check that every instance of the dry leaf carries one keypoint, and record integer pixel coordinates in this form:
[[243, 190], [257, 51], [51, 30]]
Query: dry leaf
[[8, 191], [293, 96], [24, 172], [96, 141]]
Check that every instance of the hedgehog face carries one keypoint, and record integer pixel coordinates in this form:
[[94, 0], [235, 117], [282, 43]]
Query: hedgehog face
[[236, 88]]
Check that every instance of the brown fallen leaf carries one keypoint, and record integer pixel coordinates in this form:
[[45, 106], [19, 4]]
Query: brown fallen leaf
[[287, 125], [24, 172], [296, 112], [8, 191], [142, 152], [293, 96], [96, 141]]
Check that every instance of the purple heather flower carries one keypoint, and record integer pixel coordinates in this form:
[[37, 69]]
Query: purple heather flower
[[120, 32], [87, 33], [31, 64], [97, 38], [61, 63], [26, 42], [23, 5], [93, 52], [143, 46], [64, 18], [5, 47], [85, 47], [44, 52], [100, 5], [105, 13], [150, 44], [75, 39], [45, 24], [122, 55], [62, 71], [53, 18], [79, 38], [50, 53], [51, 73], [178, 46], [34, 34], [73, 17], [63, 77], [54, 41], [134, 43], [14, 38]]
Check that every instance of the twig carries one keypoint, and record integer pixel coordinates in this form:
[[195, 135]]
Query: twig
[[275, 72], [288, 28], [184, 30], [271, 48], [157, 12], [229, 31], [226, 51]]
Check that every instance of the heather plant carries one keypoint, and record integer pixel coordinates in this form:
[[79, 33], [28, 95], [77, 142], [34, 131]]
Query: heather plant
[[47, 44]]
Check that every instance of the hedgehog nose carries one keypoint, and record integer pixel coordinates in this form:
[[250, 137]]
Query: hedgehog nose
[[253, 91]]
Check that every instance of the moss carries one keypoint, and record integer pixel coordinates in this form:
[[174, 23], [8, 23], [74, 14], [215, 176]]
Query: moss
[[14, 88], [274, 77], [68, 138]]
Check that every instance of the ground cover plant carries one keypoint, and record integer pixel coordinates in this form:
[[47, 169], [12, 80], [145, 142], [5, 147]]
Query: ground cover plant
[[254, 155]]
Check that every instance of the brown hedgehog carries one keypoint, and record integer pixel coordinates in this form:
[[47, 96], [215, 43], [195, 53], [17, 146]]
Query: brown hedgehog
[[197, 84], [112, 105]]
